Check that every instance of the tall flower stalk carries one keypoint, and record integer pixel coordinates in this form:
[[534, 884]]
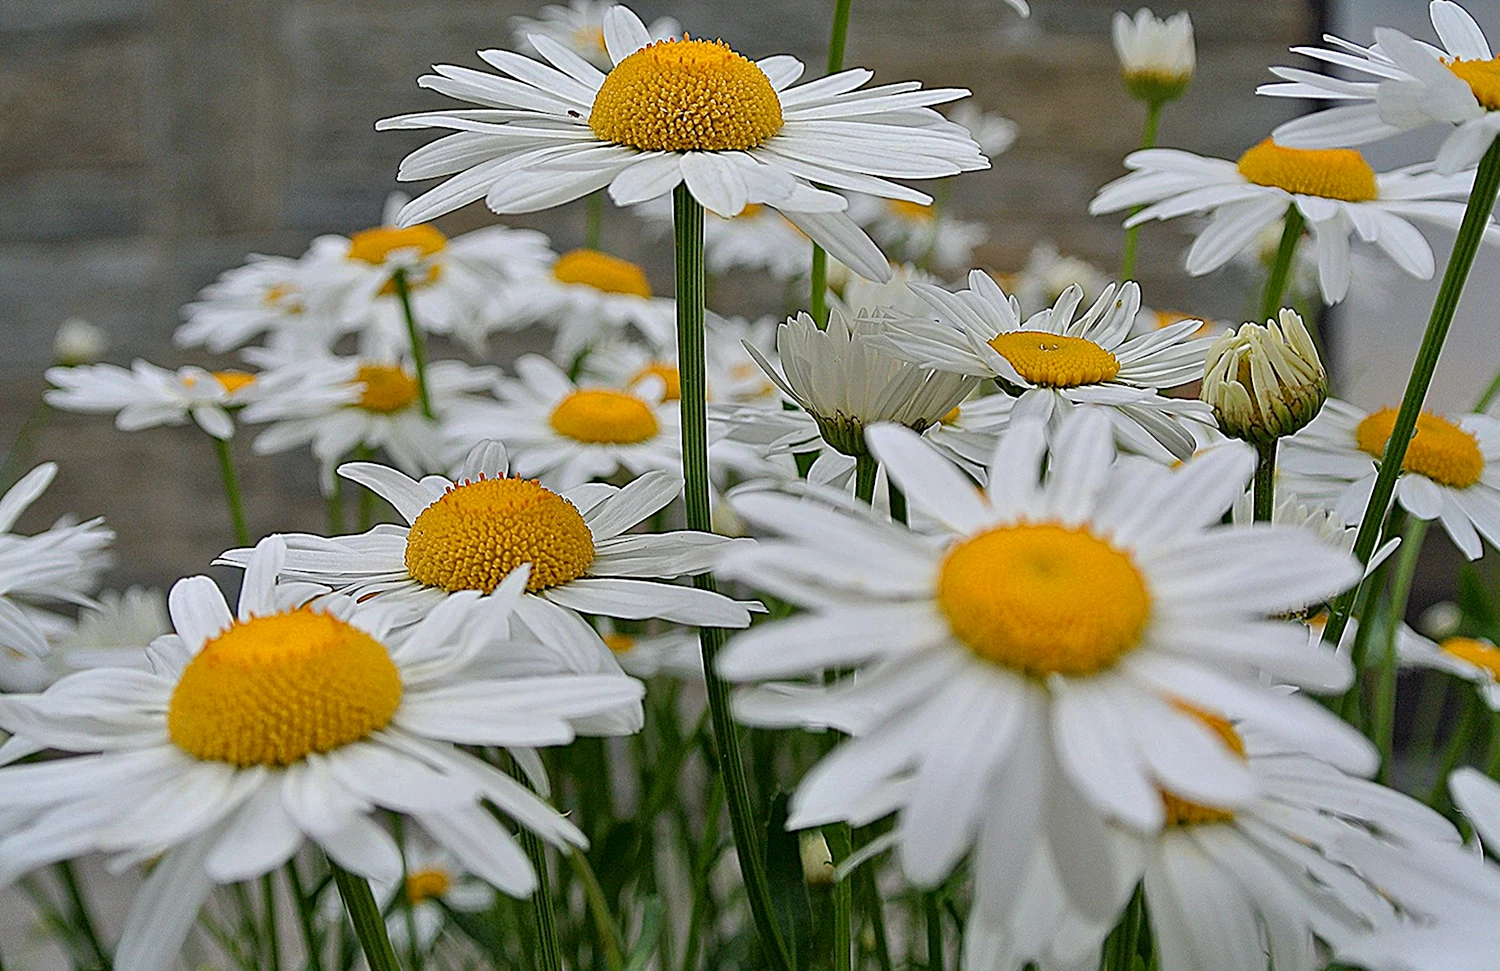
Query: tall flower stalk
[[818, 278], [1132, 235], [414, 336], [232, 493], [364, 914], [1281, 269]]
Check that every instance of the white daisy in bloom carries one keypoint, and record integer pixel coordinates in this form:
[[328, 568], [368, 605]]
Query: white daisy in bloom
[[1048, 272], [758, 239], [1150, 319], [858, 297], [256, 731], [1470, 658], [338, 404], [292, 301], [471, 533], [994, 133], [1406, 84], [1340, 196], [1280, 877], [918, 233], [674, 653], [846, 378], [434, 881], [111, 632], [1054, 362], [735, 131], [1157, 57], [969, 434], [59, 566], [580, 28], [1449, 472], [566, 435], [1047, 633], [588, 297], [146, 396], [732, 376]]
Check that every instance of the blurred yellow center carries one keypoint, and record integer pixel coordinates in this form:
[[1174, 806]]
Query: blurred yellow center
[[751, 210], [915, 211], [951, 418], [478, 532], [233, 381], [375, 246], [619, 643], [1440, 450], [669, 377], [602, 272], [427, 884], [1333, 173], [1043, 599], [1482, 77], [605, 417], [388, 388], [1180, 812], [1484, 656], [686, 96], [1054, 361], [272, 690]]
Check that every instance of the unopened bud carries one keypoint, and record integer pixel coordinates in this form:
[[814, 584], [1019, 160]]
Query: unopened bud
[[1157, 57], [78, 342], [1265, 381]]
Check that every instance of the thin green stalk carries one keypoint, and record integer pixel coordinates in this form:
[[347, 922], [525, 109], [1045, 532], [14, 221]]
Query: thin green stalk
[[273, 933], [840, 845], [82, 917], [414, 335], [1148, 140], [593, 224], [1479, 406], [818, 279], [335, 504], [875, 908], [364, 453], [604, 922], [364, 914], [897, 500], [1265, 481], [1281, 270], [688, 220], [934, 920], [1385, 699], [306, 918], [232, 491], [839, 36], [19, 455], [1458, 744], [403, 896], [1465, 247], [865, 469], [1359, 651], [1429, 711], [1492, 758], [546, 919]]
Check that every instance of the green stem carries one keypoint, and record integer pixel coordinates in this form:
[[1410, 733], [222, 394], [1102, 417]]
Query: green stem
[[1458, 744], [593, 225], [1492, 758], [1265, 481], [335, 503], [934, 920], [82, 916], [24, 445], [688, 224], [818, 297], [1148, 140], [604, 923], [364, 914], [865, 469], [1465, 247], [273, 933], [839, 36], [1281, 270], [364, 453], [414, 335], [232, 491], [897, 500], [408, 912], [546, 920], [840, 844], [305, 917], [1385, 704], [1479, 406], [1359, 651]]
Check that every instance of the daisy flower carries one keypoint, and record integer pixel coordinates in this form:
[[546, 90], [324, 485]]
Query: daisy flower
[[1472, 659], [994, 133], [735, 131], [1055, 363], [588, 297], [1157, 57], [758, 239], [1446, 474], [435, 880], [338, 404], [919, 233], [60, 565], [147, 396], [567, 435], [281, 723], [969, 434], [1280, 877], [110, 632], [78, 342], [579, 27], [291, 300], [1335, 190], [1405, 84], [733, 377], [1048, 272], [674, 653], [858, 297], [1048, 630], [473, 532]]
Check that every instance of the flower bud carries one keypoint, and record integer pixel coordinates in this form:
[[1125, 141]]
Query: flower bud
[[78, 342], [1157, 56], [817, 861], [1265, 381]]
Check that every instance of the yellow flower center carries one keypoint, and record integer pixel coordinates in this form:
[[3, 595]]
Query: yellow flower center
[[283, 296], [426, 884], [914, 211], [388, 388], [478, 532], [751, 210], [374, 246], [1054, 361], [1482, 77], [686, 96], [605, 417], [233, 381], [951, 418], [1483, 656], [272, 690], [669, 377], [1180, 812], [1333, 173], [1440, 450], [602, 272], [1043, 599], [619, 643]]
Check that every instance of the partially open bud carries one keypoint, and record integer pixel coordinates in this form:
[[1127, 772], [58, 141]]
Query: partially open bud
[[1157, 57], [78, 342], [1265, 381]]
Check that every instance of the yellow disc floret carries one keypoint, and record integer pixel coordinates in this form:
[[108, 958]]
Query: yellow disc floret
[[601, 271], [619, 643], [912, 211], [272, 690], [1482, 655], [427, 884], [1440, 450], [478, 532], [1181, 812], [1043, 599], [686, 96], [1333, 173], [233, 381], [602, 416], [1482, 77], [388, 388], [375, 246], [670, 378], [1054, 361]]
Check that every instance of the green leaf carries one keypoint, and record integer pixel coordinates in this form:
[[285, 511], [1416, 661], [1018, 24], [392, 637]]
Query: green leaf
[[645, 945], [789, 898]]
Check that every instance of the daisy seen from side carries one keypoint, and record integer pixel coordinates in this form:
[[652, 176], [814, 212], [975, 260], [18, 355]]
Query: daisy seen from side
[[146, 396]]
